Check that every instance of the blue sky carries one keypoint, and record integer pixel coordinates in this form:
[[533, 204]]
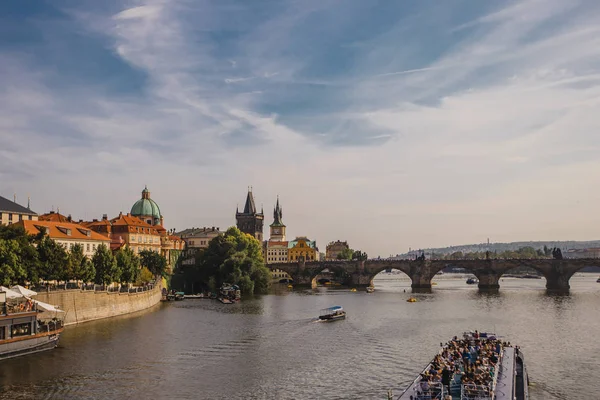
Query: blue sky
[[390, 124]]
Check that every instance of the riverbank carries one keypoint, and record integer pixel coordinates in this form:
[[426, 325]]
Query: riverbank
[[89, 305]]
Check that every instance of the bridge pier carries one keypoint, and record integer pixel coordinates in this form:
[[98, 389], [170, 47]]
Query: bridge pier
[[488, 280]]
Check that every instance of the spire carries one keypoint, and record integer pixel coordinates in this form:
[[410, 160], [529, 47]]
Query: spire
[[28, 203], [277, 214], [250, 208]]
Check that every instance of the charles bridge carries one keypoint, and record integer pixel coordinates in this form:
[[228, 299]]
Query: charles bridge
[[361, 273]]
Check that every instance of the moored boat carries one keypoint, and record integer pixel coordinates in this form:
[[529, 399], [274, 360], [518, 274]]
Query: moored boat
[[472, 281], [332, 314], [370, 289], [26, 325], [411, 299], [598, 280], [477, 366]]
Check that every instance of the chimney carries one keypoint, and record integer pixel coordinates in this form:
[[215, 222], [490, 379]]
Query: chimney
[[80, 221], [104, 217], [52, 212], [69, 219], [120, 214], [94, 220]]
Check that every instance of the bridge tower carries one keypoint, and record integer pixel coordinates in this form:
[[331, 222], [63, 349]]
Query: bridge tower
[[250, 221]]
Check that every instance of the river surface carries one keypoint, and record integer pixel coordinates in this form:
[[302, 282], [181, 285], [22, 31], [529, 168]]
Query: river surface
[[269, 347]]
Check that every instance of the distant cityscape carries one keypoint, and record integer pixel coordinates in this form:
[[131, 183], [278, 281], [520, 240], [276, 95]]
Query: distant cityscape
[[143, 229]]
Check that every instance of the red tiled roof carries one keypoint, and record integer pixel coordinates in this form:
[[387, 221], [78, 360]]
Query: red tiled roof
[[53, 217], [62, 230]]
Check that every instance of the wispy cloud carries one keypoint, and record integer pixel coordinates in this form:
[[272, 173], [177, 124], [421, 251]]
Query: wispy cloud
[[378, 125]]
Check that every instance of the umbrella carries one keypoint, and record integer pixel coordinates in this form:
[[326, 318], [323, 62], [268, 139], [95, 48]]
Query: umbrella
[[10, 294], [23, 291]]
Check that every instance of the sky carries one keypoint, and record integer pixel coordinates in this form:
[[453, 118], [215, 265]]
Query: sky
[[389, 124]]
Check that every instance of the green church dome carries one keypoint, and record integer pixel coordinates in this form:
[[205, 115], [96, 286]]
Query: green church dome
[[146, 207]]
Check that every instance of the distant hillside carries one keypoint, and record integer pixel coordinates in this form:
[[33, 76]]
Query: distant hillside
[[500, 247]]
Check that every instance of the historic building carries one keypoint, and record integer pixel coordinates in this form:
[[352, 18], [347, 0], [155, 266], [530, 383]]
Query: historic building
[[11, 212], [250, 221], [302, 248], [54, 216], [276, 250], [127, 230], [147, 210], [67, 234], [334, 248], [196, 239]]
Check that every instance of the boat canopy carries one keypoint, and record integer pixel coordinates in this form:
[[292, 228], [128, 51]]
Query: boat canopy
[[47, 307], [10, 294], [23, 291], [331, 309]]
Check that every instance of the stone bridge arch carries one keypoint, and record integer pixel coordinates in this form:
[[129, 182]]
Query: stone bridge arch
[[373, 267]]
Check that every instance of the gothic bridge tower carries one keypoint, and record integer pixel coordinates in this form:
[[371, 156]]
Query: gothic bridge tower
[[250, 221]]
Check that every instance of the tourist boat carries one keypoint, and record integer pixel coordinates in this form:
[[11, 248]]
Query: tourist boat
[[179, 296], [370, 289], [501, 376], [472, 281], [27, 326], [332, 314]]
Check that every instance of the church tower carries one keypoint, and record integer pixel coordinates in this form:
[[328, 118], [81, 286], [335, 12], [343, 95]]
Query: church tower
[[250, 221], [277, 227]]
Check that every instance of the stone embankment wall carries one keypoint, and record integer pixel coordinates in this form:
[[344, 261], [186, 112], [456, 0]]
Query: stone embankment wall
[[83, 306]]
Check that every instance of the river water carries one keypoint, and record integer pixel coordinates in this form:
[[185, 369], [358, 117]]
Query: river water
[[269, 347]]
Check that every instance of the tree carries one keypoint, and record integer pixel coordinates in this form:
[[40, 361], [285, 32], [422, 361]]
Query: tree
[[27, 252], [345, 254], [129, 264], [235, 258], [11, 270], [107, 270], [53, 259], [156, 263], [82, 268], [145, 276]]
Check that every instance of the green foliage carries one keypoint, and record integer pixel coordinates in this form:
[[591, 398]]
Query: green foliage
[[26, 252], [156, 263], [53, 260], [236, 258], [129, 265], [11, 270], [359, 255], [105, 264], [345, 254], [145, 276]]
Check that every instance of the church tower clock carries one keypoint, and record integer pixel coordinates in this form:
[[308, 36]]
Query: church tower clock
[[277, 227]]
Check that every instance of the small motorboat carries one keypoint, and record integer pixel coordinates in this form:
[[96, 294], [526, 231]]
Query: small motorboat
[[472, 281], [370, 289], [290, 287], [433, 283], [332, 314], [412, 299], [353, 290]]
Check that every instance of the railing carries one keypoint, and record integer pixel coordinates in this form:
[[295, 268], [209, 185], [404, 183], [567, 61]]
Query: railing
[[94, 287], [471, 391], [429, 391]]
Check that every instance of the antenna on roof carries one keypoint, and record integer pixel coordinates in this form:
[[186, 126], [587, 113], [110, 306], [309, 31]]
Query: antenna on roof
[[15, 197], [28, 201]]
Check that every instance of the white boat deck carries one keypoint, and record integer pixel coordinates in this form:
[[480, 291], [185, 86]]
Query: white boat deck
[[505, 385]]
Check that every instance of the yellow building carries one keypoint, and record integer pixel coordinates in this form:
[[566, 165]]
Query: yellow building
[[11, 212], [302, 248]]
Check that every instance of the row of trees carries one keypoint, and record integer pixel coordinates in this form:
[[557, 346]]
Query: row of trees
[[524, 253], [349, 254], [30, 259], [235, 258]]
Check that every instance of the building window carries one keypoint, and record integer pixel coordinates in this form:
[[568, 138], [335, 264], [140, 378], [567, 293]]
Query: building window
[[133, 238], [0, 217], [94, 247], [10, 217], [88, 247], [20, 217], [30, 218], [2, 333]]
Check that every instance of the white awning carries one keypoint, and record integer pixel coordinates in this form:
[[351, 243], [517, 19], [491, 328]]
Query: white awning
[[23, 291], [46, 306], [10, 294]]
